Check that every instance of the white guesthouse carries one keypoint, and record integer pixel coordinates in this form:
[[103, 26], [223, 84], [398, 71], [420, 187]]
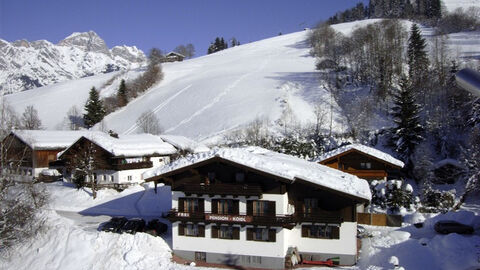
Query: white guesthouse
[[256, 208]]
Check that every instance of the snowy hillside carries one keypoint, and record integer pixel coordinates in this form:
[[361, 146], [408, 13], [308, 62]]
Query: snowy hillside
[[205, 96], [451, 5], [25, 65], [217, 93]]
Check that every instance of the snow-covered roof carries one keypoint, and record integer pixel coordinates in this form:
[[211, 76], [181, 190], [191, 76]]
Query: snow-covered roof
[[51, 139], [135, 145], [448, 161], [281, 165], [375, 153], [174, 53], [185, 144]]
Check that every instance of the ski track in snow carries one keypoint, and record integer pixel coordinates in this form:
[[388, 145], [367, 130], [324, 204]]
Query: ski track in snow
[[220, 96], [159, 107]]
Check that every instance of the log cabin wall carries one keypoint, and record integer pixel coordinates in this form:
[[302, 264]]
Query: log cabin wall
[[17, 151], [41, 158]]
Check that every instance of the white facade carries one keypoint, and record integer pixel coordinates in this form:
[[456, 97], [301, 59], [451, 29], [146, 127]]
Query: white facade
[[285, 238]]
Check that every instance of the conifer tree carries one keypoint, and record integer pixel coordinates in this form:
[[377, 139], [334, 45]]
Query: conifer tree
[[94, 109], [407, 133], [417, 62], [122, 94]]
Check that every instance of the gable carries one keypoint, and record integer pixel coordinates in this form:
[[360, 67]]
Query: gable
[[353, 155]]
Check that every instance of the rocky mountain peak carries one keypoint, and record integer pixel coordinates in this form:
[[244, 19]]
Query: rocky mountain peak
[[87, 41]]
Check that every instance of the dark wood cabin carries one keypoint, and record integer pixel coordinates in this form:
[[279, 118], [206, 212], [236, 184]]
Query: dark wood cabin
[[362, 165], [173, 57]]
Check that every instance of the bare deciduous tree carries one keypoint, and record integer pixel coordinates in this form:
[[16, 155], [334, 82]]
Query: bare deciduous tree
[[149, 123], [30, 119]]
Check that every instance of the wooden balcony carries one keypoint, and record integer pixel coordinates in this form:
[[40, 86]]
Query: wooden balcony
[[318, 218], [221, 189], [368, 174], [132, 166], [285, 221]]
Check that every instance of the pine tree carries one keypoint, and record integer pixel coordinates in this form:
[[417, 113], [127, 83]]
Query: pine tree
[[417, 62], [122, 94], [94, 109], [407, 133]]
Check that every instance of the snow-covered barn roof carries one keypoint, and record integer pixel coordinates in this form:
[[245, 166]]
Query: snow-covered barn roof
[[184, 143], [375, 153], [276, 164], [135, 145], [50, 139]]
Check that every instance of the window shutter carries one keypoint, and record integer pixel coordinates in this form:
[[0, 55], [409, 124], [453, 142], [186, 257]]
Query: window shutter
[[236, 208], [335, 232], [181, 204], [201, 205], [272, 235], [250, 208], [215, 206], [304, 231], [236, 232], [214, 232], [271, 209], [201, 230], [181, 229], [249, 233]]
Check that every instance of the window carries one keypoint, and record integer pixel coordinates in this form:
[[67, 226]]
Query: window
[[190, 229], [263, 208], [321, 231], [261, 234], [112, 178], [225, 232], [191, 205], [365, 165], [311, 204], [129, 178], [200, 256], [225, 207], [95, 176], [211, 176], [239, 177]]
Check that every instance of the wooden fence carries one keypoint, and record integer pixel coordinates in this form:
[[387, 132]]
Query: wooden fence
[[379, 219]]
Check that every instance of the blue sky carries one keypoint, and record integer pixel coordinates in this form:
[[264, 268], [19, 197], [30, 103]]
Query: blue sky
[[162, 24]]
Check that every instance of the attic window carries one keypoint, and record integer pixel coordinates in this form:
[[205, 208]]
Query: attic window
[[366, 165], [239, 177], [211, 176]]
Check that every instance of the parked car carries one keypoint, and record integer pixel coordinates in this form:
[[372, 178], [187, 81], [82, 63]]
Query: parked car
[[114, 225], [133, 226], [452, 226], [155, 227]]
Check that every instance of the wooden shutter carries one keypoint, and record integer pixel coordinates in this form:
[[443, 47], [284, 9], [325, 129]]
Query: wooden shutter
[[201, 230], [236, 208], [304, 231], [236, 232], [249, 233], [215, 206], [271, 209], [214, 231], [250, 208], [181, 229], [181, 204], [201, 205], [335, 232], [272, 235]]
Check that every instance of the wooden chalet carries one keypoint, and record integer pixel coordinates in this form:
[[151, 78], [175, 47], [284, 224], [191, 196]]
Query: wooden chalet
[[26, 153], [173, 57], [362, 161], [116, 160], [250, 206]]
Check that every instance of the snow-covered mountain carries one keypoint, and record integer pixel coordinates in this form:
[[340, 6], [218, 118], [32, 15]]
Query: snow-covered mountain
[[25, 65]]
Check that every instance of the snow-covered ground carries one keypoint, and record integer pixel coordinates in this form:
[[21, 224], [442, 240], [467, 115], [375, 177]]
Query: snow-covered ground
[[451, 5], [72, 239]]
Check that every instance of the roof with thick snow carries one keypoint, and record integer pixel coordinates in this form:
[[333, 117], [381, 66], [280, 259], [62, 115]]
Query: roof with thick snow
[[136, 145], [370, 151], [184, 143], [51, 139], [276, 164]]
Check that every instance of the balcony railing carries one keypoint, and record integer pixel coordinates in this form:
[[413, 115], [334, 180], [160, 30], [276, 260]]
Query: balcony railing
[[285, 221], [222, 189], [132, 166]]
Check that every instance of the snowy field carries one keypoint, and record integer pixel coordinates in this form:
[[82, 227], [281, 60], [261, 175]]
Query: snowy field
[[72, 239], [451, 5]]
